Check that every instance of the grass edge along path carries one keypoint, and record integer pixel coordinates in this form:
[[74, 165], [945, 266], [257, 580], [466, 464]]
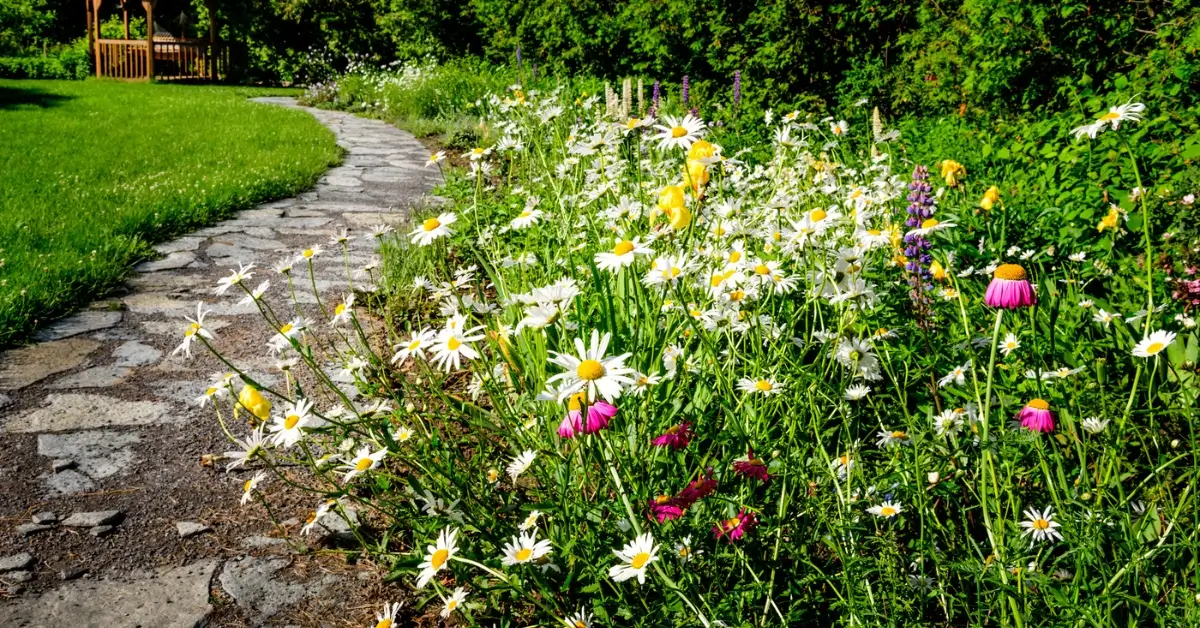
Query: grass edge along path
[[93, 173]]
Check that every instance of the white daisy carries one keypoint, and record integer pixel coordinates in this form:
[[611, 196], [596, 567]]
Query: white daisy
[[856, 392], [415, 347], [591, 371], [235, 277], [679, 133], [623, 254], [1010, 344], [635, 557], [1095, 425], [361, 461], [251, 485], [387, 619], [1153, 344], [521, 463], [286, 429], [530, 520], [525, 548], [887, 509], [1041, 525], [437, 556], [453, 602], [433, 228], [195, 329], [765, 386]]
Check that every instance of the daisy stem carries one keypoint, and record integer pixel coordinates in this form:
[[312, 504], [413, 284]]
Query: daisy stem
[[1146, 237]]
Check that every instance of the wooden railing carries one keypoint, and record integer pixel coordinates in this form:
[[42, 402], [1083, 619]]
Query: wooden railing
[[174, 60]]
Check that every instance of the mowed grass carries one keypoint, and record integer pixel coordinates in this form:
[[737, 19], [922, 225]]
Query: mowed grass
[[92, 173]]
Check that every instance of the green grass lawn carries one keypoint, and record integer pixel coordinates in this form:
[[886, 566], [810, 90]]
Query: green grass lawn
[[92, 173]]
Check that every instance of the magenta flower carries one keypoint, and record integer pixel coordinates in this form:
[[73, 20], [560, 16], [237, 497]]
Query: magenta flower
[[1010, 288], [598, 416], [737, 527], [1036, 416], [677, 437], [665, 508], [697, 490], [752, 467]]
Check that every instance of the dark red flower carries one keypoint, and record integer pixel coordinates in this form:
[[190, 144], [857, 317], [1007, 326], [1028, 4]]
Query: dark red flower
[[665, 508], [752, 467], [737, 527], [677, 437], [697, 490]]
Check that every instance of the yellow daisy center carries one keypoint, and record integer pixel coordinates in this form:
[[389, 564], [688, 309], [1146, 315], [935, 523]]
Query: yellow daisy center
[[248, 485], [1041, 524], [763, 385], [887, 511], [623, 247], [1010, 272], [290, 421], [633, 122], [641, 559], [384, 623], [899, 434], [523, 555], [735, 257], [453, 343], [341, 307], [1112, 115], [678, 132], [590, 370], [192, 329], [439, 558], [1039, 404], [287, 327], [430, 224], [762, 269], [414, 345], [477, 151], [363, 464], [451, 605], [309, 253], [526, 214], [818, 215], [1155, 347], [929, 223]]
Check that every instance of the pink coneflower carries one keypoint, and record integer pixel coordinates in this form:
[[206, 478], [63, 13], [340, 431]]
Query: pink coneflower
[[752, 467], [1036, 416], [676, 437], [579, 421], [697, 490], [665, 508], [1010, 288], [598, 416], [737, 527]]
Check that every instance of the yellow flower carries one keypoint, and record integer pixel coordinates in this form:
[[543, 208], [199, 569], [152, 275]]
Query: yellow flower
[[701, 150], [938, 271], [695, 173], [1111, 221], [952, 171], [990, 198], [253, 401], [670, 202]]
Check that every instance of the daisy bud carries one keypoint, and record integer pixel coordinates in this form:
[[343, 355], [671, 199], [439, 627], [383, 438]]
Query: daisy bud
[[253, 402], [933, 477], [1010, 288]]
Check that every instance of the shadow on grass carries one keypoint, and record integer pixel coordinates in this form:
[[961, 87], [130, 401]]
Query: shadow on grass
[[12, 98]]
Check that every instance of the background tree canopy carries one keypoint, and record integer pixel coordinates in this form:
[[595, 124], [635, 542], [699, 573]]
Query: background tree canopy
[[907, 55]]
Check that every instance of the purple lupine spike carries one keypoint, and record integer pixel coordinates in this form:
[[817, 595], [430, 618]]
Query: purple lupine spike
[[533, 77], [737, 88], [654, 96], [518, 56], [916, 246], [686, 88]]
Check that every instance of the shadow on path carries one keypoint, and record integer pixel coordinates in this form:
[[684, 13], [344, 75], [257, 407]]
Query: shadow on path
[[13, 98]]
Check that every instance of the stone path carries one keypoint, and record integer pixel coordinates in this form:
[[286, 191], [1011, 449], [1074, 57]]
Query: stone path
[[107, 515]]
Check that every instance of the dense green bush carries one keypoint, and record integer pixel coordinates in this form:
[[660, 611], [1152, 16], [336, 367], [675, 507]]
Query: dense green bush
[[71, 63]]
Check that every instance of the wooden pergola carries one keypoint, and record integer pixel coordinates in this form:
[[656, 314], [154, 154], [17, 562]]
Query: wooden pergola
[[158, 57]]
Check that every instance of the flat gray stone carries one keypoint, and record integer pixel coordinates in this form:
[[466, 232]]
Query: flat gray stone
[[247, 241], [16, 561], [256, 542], [45, 518], [190, 528], [26, 529], [76, 324], [136, 354], [97, 453], [159, 303], [173, 261], [175, 328], [101, 531], [78, 411], [61, 464], [69, 482], [187, 243], [18, 576], [95, 377], [256, 585], [21, 367], [169, 598], [5, 401], [92, 519], [71, 573]]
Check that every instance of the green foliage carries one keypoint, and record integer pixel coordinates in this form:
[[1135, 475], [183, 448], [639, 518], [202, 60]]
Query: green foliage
[[83, 192], [70, 63], [23, 25]]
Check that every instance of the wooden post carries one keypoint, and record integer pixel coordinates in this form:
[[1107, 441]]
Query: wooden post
[[210, 59], [149, 6], [125, 16]]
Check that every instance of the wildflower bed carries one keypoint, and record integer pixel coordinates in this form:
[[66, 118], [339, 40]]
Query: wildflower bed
[[638, 381]]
